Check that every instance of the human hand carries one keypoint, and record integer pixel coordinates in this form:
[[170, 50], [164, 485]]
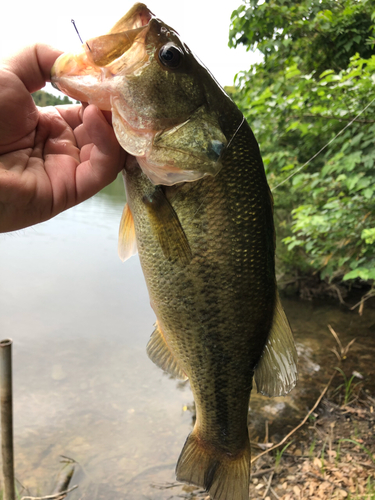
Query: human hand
[[50, 158]]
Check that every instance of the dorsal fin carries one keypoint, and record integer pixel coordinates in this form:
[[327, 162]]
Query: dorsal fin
[[127, 244], [158, 351], [276, 372]]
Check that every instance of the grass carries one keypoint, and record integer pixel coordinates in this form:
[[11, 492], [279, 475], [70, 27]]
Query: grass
[[348, 386], [312, 448], [366, 450], [322, 469], [279, 454]]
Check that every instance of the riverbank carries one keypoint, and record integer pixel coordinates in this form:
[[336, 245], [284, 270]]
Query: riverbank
[[331, 457]]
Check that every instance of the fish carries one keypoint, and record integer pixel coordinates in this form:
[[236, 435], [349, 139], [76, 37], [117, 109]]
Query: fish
[[199, 212]]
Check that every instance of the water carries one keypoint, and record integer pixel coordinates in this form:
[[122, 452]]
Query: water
[[83, 386]]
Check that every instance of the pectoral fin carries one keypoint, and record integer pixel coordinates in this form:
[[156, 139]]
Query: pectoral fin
[[276, 372], [167, 228], [127, 244], [159, 352]]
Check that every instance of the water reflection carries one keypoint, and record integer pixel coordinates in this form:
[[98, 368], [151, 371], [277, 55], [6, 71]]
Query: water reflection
[[83, 385], [80, 320]]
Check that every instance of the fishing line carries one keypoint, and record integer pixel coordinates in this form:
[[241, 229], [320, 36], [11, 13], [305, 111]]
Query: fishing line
[[79, 36], [226, 148], [236, 132], [323, 148]]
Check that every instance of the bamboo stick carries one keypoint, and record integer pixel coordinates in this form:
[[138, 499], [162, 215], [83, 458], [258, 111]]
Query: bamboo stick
[[6, 403]]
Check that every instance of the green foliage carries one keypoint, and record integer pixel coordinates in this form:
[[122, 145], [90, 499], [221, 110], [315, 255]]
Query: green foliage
[[323, 34], [317, 75], [42, 98]]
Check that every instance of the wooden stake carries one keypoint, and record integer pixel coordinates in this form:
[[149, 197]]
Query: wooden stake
[[6, 403]]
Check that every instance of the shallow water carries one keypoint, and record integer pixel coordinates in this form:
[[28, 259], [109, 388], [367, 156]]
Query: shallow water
[[83, 386]]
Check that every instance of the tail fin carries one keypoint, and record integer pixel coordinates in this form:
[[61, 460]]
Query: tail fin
[[222, 475]]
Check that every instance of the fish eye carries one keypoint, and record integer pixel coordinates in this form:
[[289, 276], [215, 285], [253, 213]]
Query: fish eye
[[170, 56]]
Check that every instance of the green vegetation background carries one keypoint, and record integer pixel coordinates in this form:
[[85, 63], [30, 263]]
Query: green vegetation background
[[42, 98], [317, 75]]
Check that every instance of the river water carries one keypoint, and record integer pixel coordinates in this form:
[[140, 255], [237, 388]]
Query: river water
[[83, 385]]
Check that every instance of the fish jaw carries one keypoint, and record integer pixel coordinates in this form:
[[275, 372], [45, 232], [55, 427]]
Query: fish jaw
[[73, 75]]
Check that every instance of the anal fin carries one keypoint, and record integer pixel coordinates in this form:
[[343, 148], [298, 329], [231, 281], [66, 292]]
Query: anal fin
[[276, 372], [127, 244], [159, 352]]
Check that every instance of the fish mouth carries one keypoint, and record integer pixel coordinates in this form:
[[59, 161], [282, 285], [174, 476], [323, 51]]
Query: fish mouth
[[121, 51]]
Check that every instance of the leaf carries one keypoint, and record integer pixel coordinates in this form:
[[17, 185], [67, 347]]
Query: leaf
[[360, 272], [327, 14], [292, 72], [368, 193], [294, 243], [368, 235], [327, 72]]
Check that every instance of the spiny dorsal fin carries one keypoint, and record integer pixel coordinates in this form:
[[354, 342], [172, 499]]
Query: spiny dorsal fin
[[158, 351], [276, 372], [127, 244], [167, 228]]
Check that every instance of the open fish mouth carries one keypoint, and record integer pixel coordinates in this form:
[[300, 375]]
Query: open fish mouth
[[122, 51]]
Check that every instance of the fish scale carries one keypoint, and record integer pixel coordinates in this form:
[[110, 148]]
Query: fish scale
[[224, 296]]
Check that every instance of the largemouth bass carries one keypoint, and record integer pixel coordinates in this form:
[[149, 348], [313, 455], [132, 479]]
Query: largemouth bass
[[199, 212]]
